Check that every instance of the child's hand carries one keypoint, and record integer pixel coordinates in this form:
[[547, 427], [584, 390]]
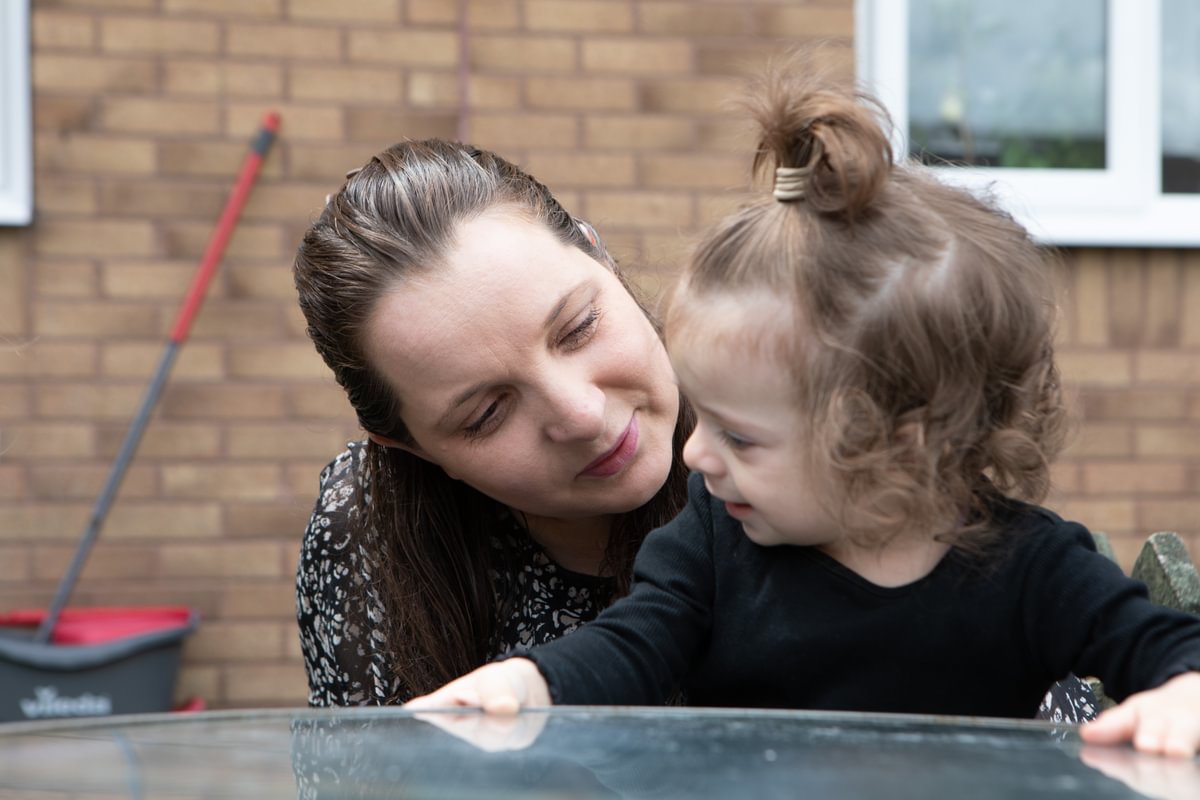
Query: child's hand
[[501, 688], [1165, 720]]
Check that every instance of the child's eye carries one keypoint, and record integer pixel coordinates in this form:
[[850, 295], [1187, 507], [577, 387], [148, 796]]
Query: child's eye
[[733, 441], [486, 422], [583, 331]]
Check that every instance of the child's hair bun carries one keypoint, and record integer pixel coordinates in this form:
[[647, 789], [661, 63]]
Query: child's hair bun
[[829, 139]]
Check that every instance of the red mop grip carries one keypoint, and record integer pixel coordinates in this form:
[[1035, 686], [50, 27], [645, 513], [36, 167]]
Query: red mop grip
[[225, 225]]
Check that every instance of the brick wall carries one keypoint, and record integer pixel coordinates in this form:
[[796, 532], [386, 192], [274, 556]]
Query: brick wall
[[143, 109]]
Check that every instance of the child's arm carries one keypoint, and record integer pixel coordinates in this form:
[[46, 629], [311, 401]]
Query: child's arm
[[1165, 720], [504, 687]]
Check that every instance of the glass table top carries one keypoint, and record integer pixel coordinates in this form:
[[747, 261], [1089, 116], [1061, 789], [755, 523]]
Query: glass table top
[[572, 753]]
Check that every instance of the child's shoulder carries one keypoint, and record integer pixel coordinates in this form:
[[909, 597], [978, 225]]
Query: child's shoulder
[[1034, 531]]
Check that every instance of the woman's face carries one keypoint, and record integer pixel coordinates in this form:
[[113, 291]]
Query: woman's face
[[525, 369]]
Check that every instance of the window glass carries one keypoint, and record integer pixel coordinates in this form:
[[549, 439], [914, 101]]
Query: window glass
[[1016, 84], [1180, 96]]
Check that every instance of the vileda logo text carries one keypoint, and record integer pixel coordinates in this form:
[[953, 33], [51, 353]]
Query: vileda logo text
[[47, 703]]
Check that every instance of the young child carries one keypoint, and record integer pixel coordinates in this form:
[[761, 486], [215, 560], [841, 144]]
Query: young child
[[870, 355]]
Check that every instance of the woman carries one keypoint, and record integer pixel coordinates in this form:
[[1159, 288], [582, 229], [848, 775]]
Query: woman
[[523, 426]]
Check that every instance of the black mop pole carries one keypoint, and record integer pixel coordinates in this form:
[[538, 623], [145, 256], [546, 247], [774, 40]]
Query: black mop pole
[[183, 324]]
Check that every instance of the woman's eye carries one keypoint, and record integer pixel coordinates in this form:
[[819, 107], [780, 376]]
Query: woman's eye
[[485, 422], [733, 441], [580, 333]]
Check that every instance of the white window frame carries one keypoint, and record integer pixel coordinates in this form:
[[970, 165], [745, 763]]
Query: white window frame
[[1121, 205], [16, 139]]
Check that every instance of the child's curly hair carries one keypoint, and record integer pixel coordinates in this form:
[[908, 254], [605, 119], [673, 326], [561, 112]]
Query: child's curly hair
[[922, 350]]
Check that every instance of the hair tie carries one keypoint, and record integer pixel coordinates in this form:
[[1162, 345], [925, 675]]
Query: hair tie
[[790, 183]]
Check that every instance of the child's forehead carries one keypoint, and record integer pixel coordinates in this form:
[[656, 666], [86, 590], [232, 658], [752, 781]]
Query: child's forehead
[[710, 331], [730, 319]]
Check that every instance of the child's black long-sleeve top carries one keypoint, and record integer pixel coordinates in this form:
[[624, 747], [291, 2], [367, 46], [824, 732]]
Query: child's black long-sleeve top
[[738, 624]]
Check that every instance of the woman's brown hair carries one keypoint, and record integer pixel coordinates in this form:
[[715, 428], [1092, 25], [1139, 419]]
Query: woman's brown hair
[[427, 538], [922, 350]]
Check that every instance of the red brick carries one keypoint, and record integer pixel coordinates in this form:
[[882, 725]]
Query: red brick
[[638, 132], [275, 520], [87, 401], [234, 642], [1134, 477], [223, 9], [57, 30], [410, 48], [299, 122], [688, 18], [692, 95], [588, 17], [286, 361], [431, 12], [283, 41], [152, 521], [164, 439], [93, 73], [251, 282], [43, 522], [223, 481], [222, 560], [45, 359], [222, 401], [151, 199], [14, 565], [277, 600], [806, 22], [387, 125], [710, 171], [109, 560], [249, 240], [61, 237], [345, 11], [236, 320], [149, 35], [266, 684], [195, 361], [493, 15], [583, 94], [285, 440], [143, 115], [523, 54], [222, 159], [327, 162], [84, 154], [583, 169], [74, 481], [637, 55], [223, 78], [345, 84], [643, 210], [65, 194], [14, 320], [505, 132]]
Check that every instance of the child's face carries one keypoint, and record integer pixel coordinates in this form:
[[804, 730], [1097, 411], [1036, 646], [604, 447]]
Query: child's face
[[749, 440]]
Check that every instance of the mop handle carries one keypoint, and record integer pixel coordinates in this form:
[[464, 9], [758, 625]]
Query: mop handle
[[183, 324]]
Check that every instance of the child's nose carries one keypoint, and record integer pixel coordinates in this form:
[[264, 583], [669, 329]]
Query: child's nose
[[699, 456]]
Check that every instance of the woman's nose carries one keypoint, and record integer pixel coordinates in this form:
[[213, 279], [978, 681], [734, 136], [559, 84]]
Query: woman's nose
[[577, 412], [699, 455]]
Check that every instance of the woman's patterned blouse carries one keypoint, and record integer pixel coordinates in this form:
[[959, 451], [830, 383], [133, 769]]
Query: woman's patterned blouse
[[344, 647]]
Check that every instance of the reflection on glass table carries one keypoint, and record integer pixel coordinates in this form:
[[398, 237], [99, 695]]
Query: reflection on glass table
[[572, 752]]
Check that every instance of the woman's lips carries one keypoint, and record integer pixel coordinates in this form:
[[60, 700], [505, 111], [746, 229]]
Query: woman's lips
[[616, 458]]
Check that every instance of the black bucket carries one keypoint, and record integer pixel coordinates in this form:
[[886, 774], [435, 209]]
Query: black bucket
[[100, 661]]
